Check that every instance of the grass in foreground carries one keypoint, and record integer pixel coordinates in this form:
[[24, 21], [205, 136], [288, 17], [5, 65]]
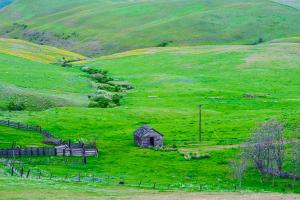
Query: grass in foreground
[[48, 190]]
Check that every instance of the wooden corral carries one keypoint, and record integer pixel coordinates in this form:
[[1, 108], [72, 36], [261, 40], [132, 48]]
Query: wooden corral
[[46, 151]]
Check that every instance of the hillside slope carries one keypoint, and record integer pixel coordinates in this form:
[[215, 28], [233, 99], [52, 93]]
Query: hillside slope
[[34, 52], [94, 27], [30, 82]]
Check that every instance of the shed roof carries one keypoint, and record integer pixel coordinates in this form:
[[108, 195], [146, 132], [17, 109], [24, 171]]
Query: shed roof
[[144, 130]]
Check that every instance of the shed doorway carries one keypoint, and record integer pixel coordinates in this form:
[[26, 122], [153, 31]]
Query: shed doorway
[[152, 141]]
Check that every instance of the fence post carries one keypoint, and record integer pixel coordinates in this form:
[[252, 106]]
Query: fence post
[[28, 172], [12, 170], [22, 171], [83, 156]]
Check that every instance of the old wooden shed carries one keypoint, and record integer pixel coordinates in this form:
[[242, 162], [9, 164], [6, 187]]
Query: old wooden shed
[[147, 137]]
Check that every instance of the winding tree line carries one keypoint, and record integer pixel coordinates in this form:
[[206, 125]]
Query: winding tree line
[[109, 91]]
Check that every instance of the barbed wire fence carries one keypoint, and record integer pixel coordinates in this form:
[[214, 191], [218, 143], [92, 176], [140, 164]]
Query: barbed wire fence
[[16, 169]]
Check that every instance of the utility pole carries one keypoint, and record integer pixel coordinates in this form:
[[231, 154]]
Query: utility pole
[[200, 122]]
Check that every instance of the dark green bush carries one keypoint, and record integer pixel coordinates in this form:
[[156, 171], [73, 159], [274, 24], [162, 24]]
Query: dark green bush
[[93, 104], [110, 88], [16, 105], [103, 103], [116, 99]]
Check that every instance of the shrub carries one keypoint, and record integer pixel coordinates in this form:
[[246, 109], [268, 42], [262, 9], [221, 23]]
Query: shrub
[[93, 104], [165, 43], [16, 105], [195, 156], [116, 99], [103, 102], [259, 41], [110, 88], [86, 69], [122, 84]]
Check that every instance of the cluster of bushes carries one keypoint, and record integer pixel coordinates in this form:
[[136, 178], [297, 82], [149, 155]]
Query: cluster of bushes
[[195, 156], [104, 99], [64, 62], [165, 43], [258, 41], [166, 148], [108, 93], [16, 105]]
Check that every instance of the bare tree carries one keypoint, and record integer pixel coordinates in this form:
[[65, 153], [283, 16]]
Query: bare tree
[[239, 167], [296, 160], [266, 150]]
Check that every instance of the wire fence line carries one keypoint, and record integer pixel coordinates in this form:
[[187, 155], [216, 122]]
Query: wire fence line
[[21, 172], [13, 169]]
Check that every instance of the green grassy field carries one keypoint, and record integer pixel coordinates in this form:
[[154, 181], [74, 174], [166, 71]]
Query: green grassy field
[[239, 59], [97, 27], [22, 138], [169, 84], [29, 77]]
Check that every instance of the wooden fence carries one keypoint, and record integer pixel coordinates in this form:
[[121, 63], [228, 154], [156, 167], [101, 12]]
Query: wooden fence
[[46, 151], [26, 127], [49, 137], [63, 148]]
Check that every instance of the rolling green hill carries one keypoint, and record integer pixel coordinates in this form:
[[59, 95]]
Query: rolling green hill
[[34, 52], [30, 82], [238, 58], [93, 27]]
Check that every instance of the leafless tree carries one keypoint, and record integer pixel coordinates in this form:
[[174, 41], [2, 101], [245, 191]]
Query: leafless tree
[[296, 160], [266, 150], [239, 167]]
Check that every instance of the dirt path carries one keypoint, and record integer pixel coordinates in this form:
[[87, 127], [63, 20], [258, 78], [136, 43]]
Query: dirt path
[[208, 148], [218, 196]]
